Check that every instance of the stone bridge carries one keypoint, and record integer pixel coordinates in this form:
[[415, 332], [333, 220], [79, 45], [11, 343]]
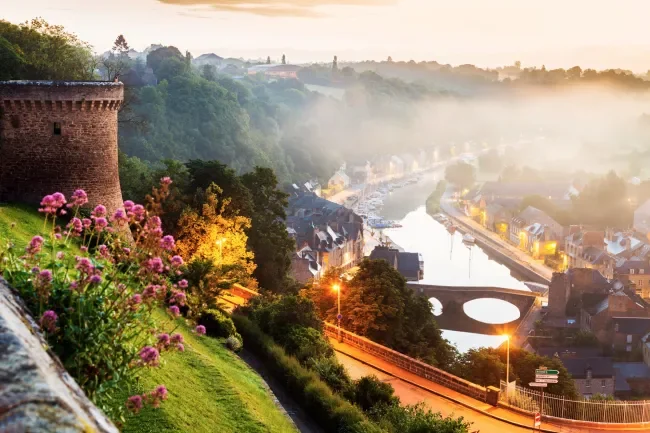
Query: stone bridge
[[453, 298]]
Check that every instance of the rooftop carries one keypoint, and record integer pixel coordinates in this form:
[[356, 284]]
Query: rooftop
[[600, 367], [632, 325]]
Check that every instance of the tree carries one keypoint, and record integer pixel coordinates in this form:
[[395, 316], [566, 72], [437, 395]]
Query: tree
[[117, 61], [206, 234], [518, 64], [13, 63], [390, 59], [284, 59], [335, 65], [209, 72], [268, 60], [156, 57], [268, 238], [461, 174]]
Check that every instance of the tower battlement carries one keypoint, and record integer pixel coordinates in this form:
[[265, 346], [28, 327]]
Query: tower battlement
[[59, 136]]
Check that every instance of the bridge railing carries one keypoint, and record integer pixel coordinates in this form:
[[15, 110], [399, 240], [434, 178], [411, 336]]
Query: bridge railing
[[558, 407], [412, 365]]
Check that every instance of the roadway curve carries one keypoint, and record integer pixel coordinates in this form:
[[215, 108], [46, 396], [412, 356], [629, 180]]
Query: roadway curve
[[409, 388]]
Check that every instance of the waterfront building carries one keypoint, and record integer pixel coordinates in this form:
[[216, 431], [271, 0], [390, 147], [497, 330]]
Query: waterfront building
[[410, 265]]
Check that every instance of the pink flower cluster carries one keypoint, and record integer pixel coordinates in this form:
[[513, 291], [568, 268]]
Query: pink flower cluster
[[135, 403], [200, 329], [34, 246], [52, 203], [149, 356], [78, 199], [48, 321]]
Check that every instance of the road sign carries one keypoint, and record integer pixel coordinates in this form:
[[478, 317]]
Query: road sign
[[538, 419], [546, 380], [340, 316], [544, 371], [546, 376], [537, 384]]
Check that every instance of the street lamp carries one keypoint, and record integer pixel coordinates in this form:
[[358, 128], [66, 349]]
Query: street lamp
[[507, 365], [337, 289]]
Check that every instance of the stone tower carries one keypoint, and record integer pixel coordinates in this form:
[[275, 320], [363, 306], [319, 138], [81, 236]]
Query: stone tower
[[59, 136]]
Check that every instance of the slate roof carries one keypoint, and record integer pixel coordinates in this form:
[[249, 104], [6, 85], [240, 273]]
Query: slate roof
[[388, 254], [570, 352], [632, 325], [633, 264], [408, 264], [600, 367]]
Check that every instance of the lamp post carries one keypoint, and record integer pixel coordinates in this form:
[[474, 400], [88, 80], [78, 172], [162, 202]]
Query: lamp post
[[507, 366], [337, 288]]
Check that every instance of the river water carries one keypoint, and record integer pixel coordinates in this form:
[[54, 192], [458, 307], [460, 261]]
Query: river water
[[447, 261]]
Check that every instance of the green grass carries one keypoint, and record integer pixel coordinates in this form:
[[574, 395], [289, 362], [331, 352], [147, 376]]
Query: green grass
[[210, 390], [28, 222]]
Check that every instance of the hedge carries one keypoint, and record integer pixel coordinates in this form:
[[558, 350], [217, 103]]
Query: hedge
[[331, 412]]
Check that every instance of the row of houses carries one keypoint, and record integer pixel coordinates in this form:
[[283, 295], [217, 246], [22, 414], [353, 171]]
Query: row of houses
[[617, 254]]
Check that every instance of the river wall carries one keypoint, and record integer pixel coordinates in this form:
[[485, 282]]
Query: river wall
[[36, 393], [522, 270]]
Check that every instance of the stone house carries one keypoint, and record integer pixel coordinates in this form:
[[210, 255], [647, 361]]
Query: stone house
[[305, 264], [410, 265], [588, 249], [626, 333], [636, 275], [536, 232], [338, 181], [567, 290]]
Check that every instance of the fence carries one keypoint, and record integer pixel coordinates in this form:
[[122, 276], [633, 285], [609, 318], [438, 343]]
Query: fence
[[407, 363], [550, 405]]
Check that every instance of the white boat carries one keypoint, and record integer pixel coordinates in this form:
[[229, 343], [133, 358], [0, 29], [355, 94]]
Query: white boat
[[468, 239]]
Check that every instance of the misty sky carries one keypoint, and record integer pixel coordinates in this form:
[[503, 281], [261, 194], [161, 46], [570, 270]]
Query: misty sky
[[557, 33]]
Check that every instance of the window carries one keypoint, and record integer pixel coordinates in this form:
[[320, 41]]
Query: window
[[640, 283], [616, 327], [641, 271], [603, 383], [631, 271], [588, 383], [57, 128], [629, 338], [628, 348]]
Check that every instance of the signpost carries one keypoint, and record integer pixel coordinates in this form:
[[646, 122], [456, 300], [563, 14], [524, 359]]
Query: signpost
[[538, 385], [538, 421], [543, 376]]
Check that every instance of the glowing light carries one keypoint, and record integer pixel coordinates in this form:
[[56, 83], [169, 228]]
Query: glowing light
[[336, 287]]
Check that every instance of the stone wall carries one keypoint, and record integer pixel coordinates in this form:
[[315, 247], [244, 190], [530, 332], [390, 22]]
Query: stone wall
[[59, 136], [36, 393]]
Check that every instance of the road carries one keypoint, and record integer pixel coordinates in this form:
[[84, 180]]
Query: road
[[484, 418]]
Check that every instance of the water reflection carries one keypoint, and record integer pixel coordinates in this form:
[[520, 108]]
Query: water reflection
[[436, 306], [476, 310]]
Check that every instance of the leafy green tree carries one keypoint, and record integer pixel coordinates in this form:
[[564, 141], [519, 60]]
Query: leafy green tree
[[418, 419], [209, 72], [370, 393], [268, 237], [156, 57], [482, 367]]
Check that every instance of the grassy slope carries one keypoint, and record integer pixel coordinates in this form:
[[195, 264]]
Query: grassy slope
[[28, 223], [210, 390]]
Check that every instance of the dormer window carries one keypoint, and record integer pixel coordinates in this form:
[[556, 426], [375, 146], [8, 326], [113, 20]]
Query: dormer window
[[57, 128], [631, 271]]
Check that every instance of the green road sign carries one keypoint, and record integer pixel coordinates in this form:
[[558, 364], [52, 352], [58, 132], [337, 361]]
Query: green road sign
[[547, 372]]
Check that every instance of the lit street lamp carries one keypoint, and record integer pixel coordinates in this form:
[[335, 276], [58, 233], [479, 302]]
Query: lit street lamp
[[337, 289]]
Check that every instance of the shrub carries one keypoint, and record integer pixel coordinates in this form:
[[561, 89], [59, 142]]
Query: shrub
[[370, 392], [234, 342], [217, 323], [95, 308], [329, 410], [305, 343], [417, 419], [333, 374]]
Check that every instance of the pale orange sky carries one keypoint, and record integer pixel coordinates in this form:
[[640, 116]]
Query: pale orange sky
[[557, 33]]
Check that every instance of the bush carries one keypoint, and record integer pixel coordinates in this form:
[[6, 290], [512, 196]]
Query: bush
[[418, 419], [217, 323], [234, 342], [370, 392], [333, 374], [329, 410], [305, 343]]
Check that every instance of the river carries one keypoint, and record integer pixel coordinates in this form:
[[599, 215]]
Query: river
[[445, 264]]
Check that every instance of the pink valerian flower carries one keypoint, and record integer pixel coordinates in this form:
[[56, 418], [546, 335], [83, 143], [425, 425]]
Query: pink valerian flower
[[158, 395], [83, 248], [164, 340], [100, 224], [44, 277], [48, 321], [74, 285], [59, 199], [166, 180], [35, 245], [176, 261], [104, 252], [177, 338], [75, 226], [135, 301], [168, 243], [120, 217], [200, 329], [78, 199], [149, 356], [87, 222], [180, 347], [136, 213], [151, 291], [183, 284], [153, 226], [127, 251], [99, 211], [85, 266], [178, 297], [60, 255], [155, 265], [95, 279], [174, 311], [134, 403], [57, 236], [47, 205], [35, 270], [128, 205]]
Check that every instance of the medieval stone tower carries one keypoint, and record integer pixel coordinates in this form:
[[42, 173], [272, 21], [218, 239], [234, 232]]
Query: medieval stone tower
[[59, 136]]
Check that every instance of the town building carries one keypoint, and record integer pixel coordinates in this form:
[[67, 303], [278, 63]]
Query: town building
[[326, 233], [636, 275], [645, 349], [510, 194], [338, 181], [305, 264], [632, 379], [536, 232], [627, 332], [566, 293], [588, 249], [275, 71], [410, 265]]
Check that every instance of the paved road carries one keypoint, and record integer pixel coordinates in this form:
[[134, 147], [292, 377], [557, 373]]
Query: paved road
[[481, 420]]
